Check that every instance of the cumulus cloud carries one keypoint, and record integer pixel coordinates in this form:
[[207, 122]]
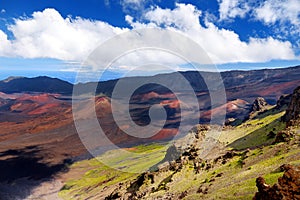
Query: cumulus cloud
[[47, 34], [183, 17], [233, 8], [272, 11], [5, 47], [283, 16], [222, 45]]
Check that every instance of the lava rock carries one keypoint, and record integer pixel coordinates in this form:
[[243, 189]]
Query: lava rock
[[293, 111], [288, 186], [259, 105]]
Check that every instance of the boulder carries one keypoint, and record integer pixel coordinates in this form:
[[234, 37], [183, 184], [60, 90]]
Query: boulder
[[288, 186], [283, 136], [259, 105]]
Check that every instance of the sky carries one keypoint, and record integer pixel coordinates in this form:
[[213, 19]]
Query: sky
[[59, 35]]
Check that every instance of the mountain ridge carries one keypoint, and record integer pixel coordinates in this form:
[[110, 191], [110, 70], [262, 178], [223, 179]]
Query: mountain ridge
[[231, 79]]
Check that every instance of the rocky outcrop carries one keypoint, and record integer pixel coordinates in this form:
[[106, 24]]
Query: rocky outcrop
[[196, 148], [198, 145], [286, 188], [259, 105], [293, 111], [284, 136], [283, 101], [185, 144]]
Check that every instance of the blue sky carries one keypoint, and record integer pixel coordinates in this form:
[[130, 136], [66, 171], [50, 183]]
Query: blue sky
[[57, 35]]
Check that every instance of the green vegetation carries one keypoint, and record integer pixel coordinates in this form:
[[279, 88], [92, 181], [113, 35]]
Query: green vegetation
[[95, 176], [232, 179], [253, 132], [236, 182]]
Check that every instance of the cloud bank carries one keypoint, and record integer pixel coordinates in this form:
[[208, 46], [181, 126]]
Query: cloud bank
[[223, 46], [47, 34]]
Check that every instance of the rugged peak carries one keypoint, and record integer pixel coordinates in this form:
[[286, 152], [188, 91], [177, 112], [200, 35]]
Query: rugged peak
[[259, 104], [293, 110], [283, 101]]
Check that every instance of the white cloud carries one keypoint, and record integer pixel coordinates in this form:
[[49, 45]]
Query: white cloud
[[3, 11], [222, 45], [48, 35], [272, 11], [232, 8], [183, 17], [136, 5], [283, 16], [5, 47]]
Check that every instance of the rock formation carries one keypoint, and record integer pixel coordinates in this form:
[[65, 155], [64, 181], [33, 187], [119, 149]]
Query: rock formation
[[283, 136], [288, 186], [259, 105], [293, 111], [283, 101]]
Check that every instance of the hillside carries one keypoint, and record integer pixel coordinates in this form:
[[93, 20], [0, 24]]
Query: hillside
[[246, 85], [229, 171], [39, 136], [42, 84]]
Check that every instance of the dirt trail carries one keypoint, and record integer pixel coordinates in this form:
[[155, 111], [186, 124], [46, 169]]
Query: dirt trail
[[46, 191]]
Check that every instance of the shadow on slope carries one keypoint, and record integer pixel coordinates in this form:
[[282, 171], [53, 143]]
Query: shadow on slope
[[262, 136], [22, 170]]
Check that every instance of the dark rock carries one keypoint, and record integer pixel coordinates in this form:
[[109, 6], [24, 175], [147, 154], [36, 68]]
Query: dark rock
[[283, 101], [292, 114], [211, 180], [113, 196], [141, 179], [285, 167], [261, 184], [271, 134], [283, 136], [288, 186], [183, 194], [259, 105], [202, 190], [208, 166]]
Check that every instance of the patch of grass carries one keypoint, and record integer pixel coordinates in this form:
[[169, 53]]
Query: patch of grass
[[272, 178], [236, 182], [252, 131], [101, 176], [147, 147], [259, 132]]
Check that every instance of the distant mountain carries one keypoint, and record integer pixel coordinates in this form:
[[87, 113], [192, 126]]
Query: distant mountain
[[37, 84], [247, 85]]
